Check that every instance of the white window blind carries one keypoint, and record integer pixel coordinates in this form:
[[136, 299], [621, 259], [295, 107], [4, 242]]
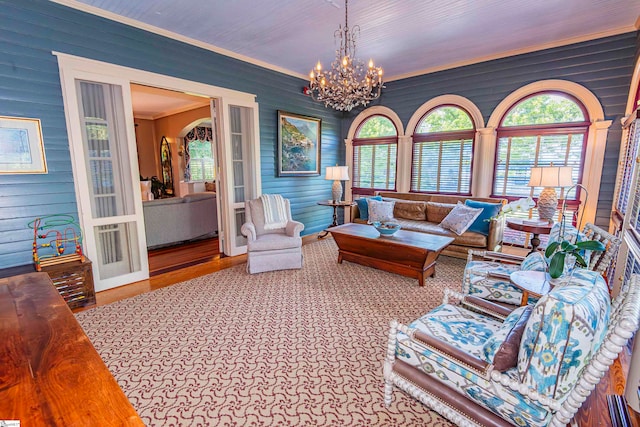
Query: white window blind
[[517, 154], [374, 166], [627, 167], [442, 166]]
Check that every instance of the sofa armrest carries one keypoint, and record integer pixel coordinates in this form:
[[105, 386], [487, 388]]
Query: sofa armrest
[[294, 228], [496, 233], [249, 230]]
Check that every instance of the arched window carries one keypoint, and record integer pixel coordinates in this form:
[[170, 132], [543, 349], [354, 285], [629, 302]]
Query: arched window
[[199, 164], [375, 153], [443, 151], [542, 129]]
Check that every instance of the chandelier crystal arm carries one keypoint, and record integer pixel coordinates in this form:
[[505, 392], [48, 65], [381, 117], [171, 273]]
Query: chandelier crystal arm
[[349, 82]]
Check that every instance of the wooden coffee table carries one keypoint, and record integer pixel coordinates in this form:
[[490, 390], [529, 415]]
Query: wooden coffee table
[[408, 253]]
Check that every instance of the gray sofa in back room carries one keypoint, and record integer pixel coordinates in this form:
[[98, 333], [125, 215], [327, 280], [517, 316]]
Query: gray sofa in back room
[[180, 219]]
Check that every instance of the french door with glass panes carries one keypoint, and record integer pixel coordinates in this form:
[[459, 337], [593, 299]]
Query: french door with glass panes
[[106, 176]]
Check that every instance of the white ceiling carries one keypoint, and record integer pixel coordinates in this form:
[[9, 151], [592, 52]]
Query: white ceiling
[[405, 37]]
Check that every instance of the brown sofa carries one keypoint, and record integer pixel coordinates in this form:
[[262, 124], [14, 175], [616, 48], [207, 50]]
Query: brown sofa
[[437, 207]]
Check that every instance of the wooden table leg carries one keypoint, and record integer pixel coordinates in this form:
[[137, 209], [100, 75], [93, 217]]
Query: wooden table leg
[[525, 298], [535, 242]]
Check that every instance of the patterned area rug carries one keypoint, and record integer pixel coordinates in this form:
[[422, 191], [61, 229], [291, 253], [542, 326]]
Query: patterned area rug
[[294, 348]]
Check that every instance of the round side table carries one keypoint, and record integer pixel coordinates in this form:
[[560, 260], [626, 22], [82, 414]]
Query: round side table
[[535, 229], [335, 205]]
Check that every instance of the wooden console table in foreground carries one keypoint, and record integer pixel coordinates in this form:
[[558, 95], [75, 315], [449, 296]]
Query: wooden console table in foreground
[[50, 373], [408, 253]]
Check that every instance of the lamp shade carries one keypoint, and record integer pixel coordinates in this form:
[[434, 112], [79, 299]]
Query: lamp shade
[[337, 173], [551, 176]]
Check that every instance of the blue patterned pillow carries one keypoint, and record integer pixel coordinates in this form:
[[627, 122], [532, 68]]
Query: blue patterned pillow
[[534, 262], [501, 349], [380, 211], [460, 218], [363, 205], [489, 210]]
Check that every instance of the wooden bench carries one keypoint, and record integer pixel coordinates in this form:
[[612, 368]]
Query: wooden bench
[[50, 374]]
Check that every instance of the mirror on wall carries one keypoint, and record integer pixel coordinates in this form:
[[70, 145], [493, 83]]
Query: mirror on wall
[[165, 163]]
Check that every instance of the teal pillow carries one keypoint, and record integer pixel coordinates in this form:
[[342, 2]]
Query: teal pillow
[[489, 210], [363, 206]]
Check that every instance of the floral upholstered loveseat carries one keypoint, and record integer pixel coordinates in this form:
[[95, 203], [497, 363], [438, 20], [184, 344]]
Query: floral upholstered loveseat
[[533, 368]]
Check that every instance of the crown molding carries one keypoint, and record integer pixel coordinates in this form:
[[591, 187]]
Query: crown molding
[[175, 36]]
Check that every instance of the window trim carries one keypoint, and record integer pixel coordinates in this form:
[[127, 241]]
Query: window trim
[[597, 135], [537, 131], [362, 142], [442, 136], [350, 141]]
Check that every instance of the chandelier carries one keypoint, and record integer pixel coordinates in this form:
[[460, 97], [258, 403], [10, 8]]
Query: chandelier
[[349, 82]]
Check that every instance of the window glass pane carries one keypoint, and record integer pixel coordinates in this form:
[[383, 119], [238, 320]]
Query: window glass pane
[[376, 127], [374, 166], [442, 166], [444, 119], [517, 155], [544, 109]]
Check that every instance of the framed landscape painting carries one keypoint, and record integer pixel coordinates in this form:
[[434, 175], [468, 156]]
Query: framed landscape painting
[[298, 145], [21, 148]]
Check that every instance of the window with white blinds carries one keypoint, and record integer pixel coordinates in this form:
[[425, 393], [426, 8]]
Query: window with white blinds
[[627, 166], [539, 130], [442, 156], [375, 154]]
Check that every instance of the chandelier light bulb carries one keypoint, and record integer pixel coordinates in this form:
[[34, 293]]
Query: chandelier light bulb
[[370, 63], [319, 66]]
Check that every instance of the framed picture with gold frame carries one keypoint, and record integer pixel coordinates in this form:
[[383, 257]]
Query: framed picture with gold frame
[[21, 146]]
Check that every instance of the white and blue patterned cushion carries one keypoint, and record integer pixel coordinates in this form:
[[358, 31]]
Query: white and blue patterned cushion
[[460, 218], [380, 210], [468, 382], [458, 326], [498, 287], [534, 262], [565, 329]]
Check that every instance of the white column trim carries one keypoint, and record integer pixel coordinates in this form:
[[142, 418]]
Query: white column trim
[[483, 162], [403, 165]]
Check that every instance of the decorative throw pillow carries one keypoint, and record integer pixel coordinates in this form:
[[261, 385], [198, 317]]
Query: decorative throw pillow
[[380, 211], [363, 206], [408, 209], [534, 262], [460, 218], [436, 212], [489, 210], [501, 349]]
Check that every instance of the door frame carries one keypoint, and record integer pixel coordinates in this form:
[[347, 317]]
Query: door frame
[[72, 67]]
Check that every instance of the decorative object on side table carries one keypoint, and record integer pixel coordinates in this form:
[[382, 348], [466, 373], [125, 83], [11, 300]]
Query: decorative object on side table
[[298, 145], [21, 147], [549, 177], [337, 174], [386, 229], [56, 239]]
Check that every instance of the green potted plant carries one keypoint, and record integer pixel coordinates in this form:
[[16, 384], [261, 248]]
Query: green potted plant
[[557, 253]]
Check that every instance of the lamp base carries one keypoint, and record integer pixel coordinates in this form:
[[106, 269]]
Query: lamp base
[[336, 191], [547, 204]]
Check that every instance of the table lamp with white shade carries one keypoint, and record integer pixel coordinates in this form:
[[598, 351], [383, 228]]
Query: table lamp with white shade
[[337, 174], [549, 177]]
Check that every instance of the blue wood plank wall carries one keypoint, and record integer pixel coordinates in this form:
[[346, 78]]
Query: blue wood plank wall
[[30, 87], [604, 66]]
